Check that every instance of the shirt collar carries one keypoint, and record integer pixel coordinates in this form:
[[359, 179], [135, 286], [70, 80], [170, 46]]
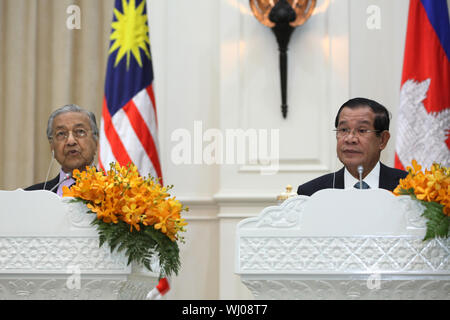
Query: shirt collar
[[372, 179], [67, 182], [62, 175]]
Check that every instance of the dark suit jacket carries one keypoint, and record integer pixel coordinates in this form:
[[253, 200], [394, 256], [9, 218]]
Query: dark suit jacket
[[48, 186], [389, 178]]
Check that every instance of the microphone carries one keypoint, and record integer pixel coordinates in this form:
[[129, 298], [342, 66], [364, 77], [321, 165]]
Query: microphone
[[360, 171], [67, 177]]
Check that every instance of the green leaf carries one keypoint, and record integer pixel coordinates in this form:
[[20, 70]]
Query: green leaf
[[438, 223], [406, 192], [140, 246]]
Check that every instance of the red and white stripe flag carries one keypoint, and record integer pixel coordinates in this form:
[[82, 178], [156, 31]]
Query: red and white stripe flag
[[160, 290], [129, 125]]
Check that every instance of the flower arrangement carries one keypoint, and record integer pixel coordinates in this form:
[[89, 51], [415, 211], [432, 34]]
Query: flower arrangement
[[432, 189], [134, 214]]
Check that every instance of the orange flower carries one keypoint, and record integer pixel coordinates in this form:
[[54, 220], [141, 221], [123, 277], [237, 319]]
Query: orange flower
[[433, 185], [416, 167], [132, 214], [121, 194]]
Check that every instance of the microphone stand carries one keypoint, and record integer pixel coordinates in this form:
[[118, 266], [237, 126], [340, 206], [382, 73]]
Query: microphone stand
[[360, 171], [67, 177]]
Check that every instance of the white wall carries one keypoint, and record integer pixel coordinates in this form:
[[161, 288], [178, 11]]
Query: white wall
[[215, 63], [376, 57]]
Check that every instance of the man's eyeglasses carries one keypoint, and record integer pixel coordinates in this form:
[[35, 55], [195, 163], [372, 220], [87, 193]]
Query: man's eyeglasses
[[343, 132], [62, 135]]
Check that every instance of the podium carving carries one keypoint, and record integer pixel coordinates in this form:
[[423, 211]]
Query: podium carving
[[342, 244], [49, 250]]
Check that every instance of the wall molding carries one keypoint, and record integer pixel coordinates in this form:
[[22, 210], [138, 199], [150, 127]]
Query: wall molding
[[225, 206]]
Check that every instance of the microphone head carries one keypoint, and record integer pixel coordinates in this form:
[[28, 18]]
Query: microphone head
[[360, 169]]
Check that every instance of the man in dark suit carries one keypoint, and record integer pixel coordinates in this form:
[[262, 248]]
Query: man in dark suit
[[73, 134], [49, 185], [362, 131]]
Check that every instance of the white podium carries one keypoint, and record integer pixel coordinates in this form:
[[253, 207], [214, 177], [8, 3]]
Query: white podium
[[342, 244], [49, 250]]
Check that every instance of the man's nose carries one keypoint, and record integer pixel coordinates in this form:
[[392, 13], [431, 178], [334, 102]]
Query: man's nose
[[351, 137], [71, 139]]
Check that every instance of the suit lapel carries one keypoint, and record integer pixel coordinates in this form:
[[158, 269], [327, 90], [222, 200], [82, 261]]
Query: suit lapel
[[387, 179], [382, 180], [50, 184], [339, 179]]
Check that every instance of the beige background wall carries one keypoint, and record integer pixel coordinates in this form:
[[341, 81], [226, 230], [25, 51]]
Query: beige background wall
[[214, 63]]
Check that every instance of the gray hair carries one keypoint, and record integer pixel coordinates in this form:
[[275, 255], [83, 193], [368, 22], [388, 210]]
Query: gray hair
[[72, 108]]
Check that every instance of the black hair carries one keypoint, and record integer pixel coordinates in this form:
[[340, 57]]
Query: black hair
[[382, 115]]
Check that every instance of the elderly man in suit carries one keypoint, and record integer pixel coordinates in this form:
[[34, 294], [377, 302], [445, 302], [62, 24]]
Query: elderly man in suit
[[362, 131], [73, 134]]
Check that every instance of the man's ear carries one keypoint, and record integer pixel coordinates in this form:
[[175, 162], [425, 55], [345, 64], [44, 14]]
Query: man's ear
[[52, 148], [384, 138]]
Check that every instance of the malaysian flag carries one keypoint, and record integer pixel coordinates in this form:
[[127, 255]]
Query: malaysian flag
[[424, 113], [129, 126]]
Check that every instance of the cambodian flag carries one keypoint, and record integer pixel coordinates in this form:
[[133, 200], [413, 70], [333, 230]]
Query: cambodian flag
[[424, 113], [129, 127]]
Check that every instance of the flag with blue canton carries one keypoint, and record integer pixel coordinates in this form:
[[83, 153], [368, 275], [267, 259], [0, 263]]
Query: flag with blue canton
[[129, 126]]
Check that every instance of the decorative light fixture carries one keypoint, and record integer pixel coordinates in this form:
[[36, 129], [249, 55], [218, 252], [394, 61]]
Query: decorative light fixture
[[282, 16]]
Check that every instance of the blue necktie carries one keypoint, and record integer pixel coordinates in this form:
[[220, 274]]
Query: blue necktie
[[364, 185]]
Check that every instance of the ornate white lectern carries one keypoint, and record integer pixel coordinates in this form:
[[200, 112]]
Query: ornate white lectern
[[48, 250], [342, 244]]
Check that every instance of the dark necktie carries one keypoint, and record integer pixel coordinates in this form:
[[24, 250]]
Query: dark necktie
[[364, 185]]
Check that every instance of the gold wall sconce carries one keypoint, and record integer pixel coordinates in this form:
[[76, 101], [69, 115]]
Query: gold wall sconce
[[282, 16]]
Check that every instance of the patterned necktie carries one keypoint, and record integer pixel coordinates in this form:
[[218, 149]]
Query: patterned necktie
[[364, 185]]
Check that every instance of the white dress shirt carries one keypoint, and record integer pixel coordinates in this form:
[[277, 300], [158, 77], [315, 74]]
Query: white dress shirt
[[372, 179], [68, 182]]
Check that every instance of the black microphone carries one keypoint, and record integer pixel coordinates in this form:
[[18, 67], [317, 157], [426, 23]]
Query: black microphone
[[360, 171], [67, 177]]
